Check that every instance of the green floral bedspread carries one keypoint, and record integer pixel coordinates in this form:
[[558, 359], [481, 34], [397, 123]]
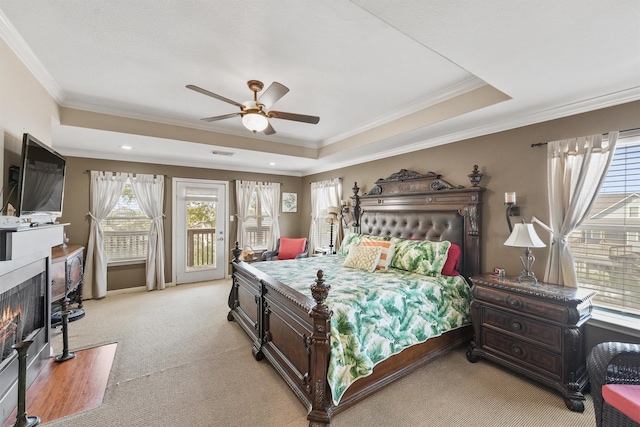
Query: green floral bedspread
[[375, 315]]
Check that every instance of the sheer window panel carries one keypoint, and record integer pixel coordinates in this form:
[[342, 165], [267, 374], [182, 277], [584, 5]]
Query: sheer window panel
[[258, 225]]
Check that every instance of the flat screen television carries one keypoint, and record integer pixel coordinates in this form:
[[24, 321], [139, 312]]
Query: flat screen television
[[41, 184]]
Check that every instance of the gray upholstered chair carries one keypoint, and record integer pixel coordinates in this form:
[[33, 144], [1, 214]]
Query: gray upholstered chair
[[612, 363], [288, 251]]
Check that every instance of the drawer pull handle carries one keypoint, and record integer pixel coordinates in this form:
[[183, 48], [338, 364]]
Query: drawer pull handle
[[516, 326], [517, 351], [514, 302]]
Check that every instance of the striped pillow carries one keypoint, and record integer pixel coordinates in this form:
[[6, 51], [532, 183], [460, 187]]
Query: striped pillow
[[386, 255]]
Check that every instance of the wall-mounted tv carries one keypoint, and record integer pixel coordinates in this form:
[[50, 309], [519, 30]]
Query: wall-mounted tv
[[41, 185]]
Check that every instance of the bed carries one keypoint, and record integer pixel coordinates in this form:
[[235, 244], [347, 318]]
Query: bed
[[291, 324]]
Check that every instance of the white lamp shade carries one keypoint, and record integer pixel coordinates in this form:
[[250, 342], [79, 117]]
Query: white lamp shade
[[524, 236], [255, 122], [332, 214]]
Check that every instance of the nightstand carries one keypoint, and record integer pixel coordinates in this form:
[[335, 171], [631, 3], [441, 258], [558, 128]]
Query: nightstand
[[536, 330]]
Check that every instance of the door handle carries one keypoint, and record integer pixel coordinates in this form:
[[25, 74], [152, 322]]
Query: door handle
[[221, 239]]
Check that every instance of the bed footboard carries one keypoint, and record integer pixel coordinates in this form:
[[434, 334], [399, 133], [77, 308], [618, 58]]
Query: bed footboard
[[290, 330]]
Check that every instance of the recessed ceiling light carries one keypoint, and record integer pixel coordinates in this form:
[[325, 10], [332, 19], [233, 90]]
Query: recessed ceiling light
[[272, 163], [126, 147], [222, 153]]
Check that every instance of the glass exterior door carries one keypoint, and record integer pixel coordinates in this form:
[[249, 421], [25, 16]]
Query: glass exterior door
[[199, 230]]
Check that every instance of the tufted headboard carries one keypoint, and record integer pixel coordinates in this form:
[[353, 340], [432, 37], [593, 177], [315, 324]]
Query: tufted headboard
[[424, 207]]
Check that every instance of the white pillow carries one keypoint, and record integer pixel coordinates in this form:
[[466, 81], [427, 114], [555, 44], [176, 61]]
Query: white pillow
[[363, 257]]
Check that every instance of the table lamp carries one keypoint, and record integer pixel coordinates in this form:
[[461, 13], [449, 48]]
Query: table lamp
[[524, 236]]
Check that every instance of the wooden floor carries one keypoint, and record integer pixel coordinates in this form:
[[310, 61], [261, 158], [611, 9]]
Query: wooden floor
[[71, 386]]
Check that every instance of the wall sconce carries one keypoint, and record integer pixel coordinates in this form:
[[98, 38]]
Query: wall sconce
[[344, 209], [524, 236], [512, 209]]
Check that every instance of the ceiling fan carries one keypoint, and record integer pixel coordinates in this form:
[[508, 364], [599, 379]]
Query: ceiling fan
[[256, 114]]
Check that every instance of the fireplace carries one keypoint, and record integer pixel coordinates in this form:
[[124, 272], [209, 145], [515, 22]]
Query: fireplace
[[24, 311], [21, 313]]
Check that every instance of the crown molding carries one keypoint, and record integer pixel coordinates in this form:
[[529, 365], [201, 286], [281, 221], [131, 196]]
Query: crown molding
[[108, 110], [185, 163], [460, 88], [21, 49]]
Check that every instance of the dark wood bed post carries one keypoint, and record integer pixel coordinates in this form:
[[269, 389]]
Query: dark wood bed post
[[232, 302], [356, 208], [320, 343]]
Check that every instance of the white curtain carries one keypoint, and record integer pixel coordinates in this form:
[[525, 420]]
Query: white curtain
[[324, 194], [244, 190], [104, 191], [269, 193], [149, 192], [576, 169]]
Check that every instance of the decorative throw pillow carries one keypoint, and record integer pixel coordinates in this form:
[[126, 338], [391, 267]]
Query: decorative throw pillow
[[388, 248], [363, 257], [420, 256], [351, 239], [453, 259], [289, 248]]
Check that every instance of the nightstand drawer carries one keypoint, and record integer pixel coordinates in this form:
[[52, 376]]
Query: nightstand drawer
[[549, 335], [536, 358], [522, 304]]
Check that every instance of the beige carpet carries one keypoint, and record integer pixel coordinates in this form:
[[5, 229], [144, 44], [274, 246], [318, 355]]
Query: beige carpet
[[179, 362]]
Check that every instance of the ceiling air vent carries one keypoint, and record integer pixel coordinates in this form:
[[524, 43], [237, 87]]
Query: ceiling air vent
[[222, 153]]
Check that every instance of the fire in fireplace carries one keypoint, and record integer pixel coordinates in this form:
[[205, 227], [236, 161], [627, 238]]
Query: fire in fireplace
[[22, 313], [9, 328]]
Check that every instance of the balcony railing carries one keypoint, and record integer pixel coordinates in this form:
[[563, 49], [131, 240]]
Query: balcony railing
[[201, 246]]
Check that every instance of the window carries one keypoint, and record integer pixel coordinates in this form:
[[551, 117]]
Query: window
[[611, 266], [323, 232], [126, 229], [258, 224], [325, 194]]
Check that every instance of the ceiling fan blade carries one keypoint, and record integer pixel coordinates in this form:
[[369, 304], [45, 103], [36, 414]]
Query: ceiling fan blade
[[216, 118], [273, 94], [295, 117], [214, 95], [269, 130]]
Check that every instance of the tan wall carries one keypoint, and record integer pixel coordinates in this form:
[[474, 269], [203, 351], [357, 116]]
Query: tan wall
[[76, 205], [508, 163], [25, 106]]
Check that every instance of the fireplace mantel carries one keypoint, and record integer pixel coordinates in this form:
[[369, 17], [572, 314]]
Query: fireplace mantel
[[16, 244]]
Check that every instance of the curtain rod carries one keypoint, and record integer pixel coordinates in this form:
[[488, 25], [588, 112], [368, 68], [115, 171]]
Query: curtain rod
[[88, 171], [264, 182], [539, 144]]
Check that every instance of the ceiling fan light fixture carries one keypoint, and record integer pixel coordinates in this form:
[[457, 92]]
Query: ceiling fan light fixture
[[255, 122]]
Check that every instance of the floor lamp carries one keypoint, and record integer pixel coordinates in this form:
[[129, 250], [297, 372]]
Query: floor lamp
[[331, 218]]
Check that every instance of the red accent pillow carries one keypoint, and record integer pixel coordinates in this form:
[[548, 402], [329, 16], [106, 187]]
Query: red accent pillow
[[289, 248], [450, 267]]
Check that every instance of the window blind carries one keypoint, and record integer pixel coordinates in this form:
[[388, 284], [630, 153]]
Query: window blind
[[606, 247]]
